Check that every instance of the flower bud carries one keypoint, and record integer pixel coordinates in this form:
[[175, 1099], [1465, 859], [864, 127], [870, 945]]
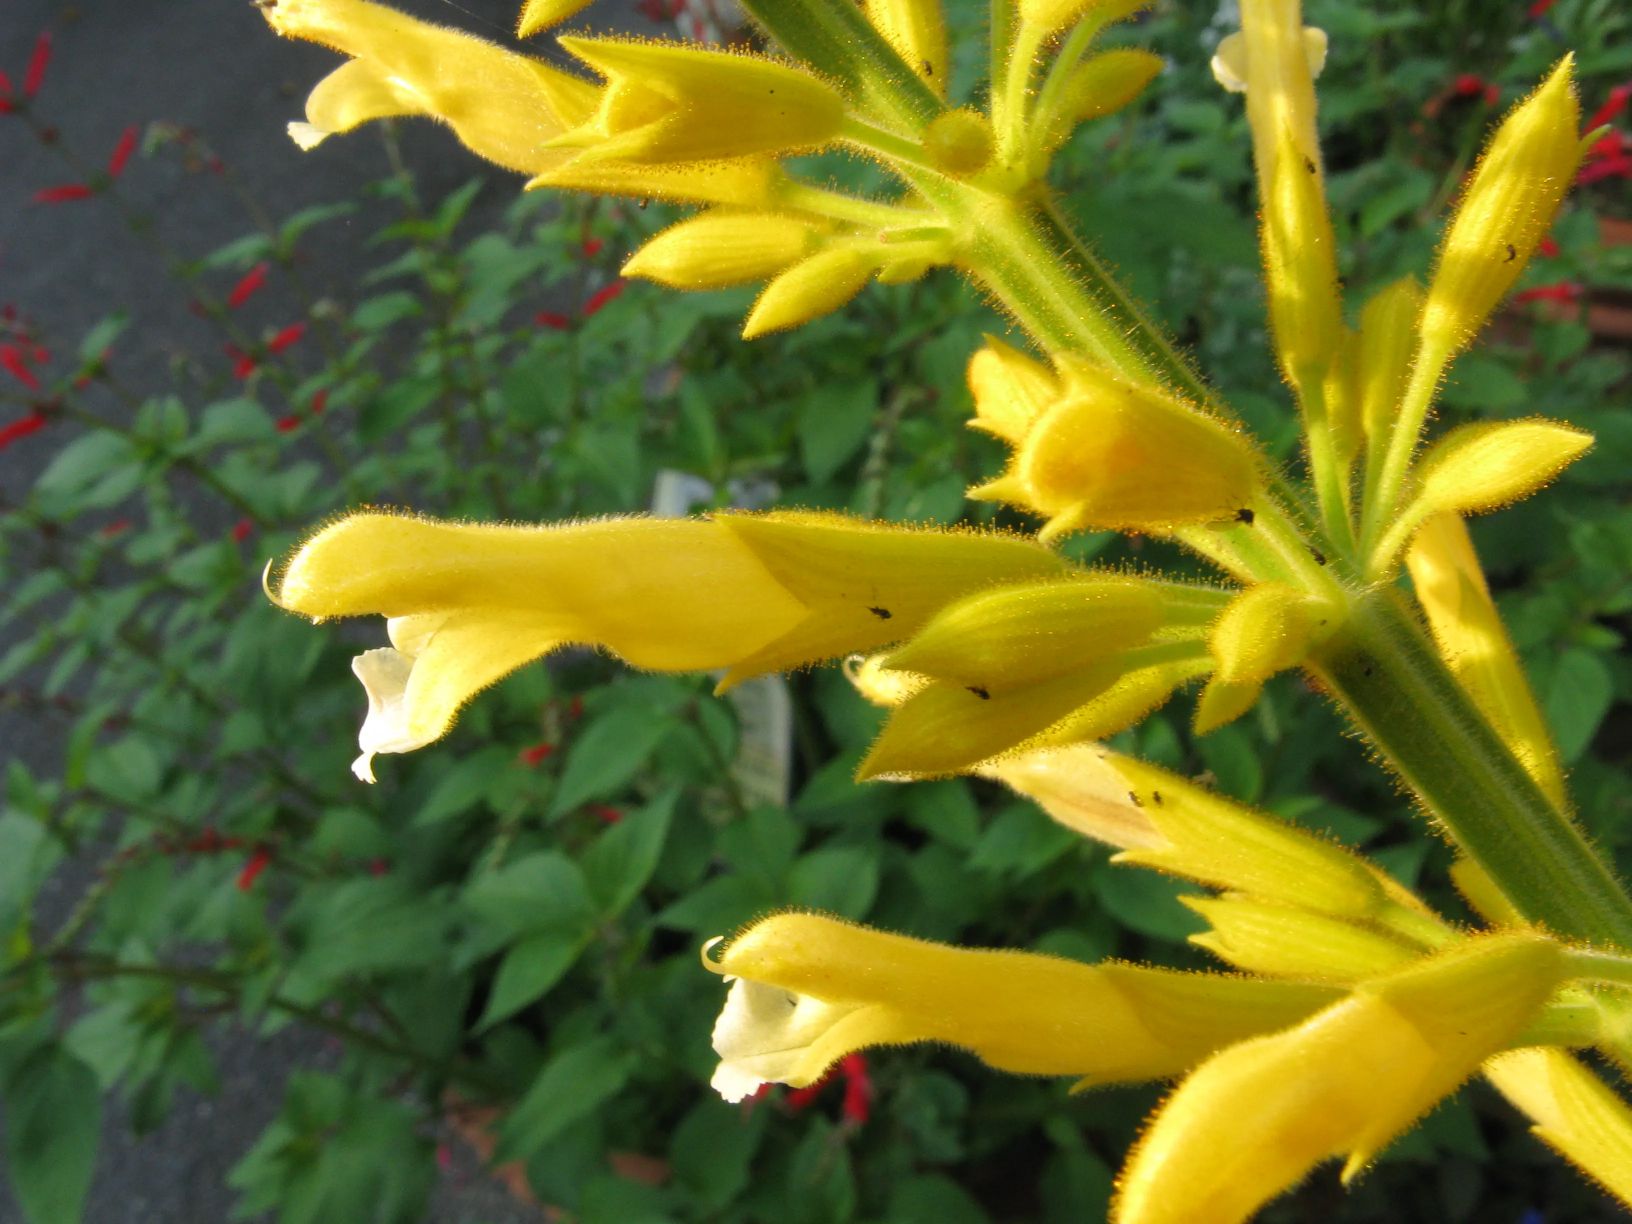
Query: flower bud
[[1506, 209], [1010, 389], [959, 142], [1284, 941], [721, 248], [674, 103], [1382, 368], [917, 31], [1266, 629], [1053, 16], [1575, 1113], [747, 182], [1300, 265], [1081, 790], [1105, 83], [1482, 467], [539, 15], [812, 288], [1112, 455]]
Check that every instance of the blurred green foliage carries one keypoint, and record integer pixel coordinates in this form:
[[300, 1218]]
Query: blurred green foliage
[[512, 917]]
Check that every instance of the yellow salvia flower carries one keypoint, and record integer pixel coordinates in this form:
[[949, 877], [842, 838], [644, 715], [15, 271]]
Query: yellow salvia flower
[[1265, 629], [468, 604], [917, 31], [1112, 455], [869, 584], [1010, 389], [539, 15], [722, 247], [1254, 1119], [505, 107], [809, 990], [676, 103], [1575, 1113], [1450, 587], [1126, 702], [1082, 790], [1284, 941], [1300, 265], [1382, 367], [1506, 209], [746, 182], [812, 288], [1053, 16]]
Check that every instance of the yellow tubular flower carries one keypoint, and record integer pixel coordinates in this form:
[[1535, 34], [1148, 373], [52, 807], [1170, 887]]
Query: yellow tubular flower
[[1266, 629], [1388, 338], [1285, 941], [505, 107], [1506, 209], [1300, 265], [747, 182], [1575, 1113], [680, 104], [867, 585], [1053, 16], [723, 248], [1112, 455], [1254, 1119], [1010, 390], [468, 604], [917, 31], [1080, 789], [810, 990], [1450, 586]]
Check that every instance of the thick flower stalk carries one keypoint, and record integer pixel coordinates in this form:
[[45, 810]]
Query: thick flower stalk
[[1351, 1008]]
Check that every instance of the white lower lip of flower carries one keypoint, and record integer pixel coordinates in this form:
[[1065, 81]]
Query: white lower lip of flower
[[384, 674], [765, 1034]]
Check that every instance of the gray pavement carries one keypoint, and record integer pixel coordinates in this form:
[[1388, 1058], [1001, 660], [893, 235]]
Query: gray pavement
[[212, 65]]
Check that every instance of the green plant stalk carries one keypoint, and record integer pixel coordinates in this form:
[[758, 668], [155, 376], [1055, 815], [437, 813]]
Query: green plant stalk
[[1381, 667]]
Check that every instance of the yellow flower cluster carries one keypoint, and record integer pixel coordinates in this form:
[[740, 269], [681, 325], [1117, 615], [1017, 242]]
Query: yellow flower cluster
[[1352, 1008]]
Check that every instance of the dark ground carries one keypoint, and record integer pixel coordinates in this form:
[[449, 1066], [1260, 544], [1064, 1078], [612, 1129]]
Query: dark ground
[[212, 65]]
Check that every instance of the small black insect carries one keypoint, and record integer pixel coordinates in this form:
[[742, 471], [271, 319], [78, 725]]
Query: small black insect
[[881, 613], [1309, 164], [1134, 799], [1320, 557], [642, 205], [978, 691], [1156, 797], [929, 68], [1512, 253], [1245, 515]]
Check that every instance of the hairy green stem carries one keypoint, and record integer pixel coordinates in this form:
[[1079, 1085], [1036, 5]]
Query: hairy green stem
[[1382, 668]]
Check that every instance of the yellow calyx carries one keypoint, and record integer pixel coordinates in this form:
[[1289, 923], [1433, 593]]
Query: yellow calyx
[[721, 248], [1266, 629]]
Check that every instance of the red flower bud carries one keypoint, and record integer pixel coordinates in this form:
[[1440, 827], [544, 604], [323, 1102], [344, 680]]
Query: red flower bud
[[258, 862], [602, 296], [549, 318], [241, 530], [121, 152], [34, 75], [247, 285], [538, 752], [63, 193], [286, 337], [21, 428], [17, 366]]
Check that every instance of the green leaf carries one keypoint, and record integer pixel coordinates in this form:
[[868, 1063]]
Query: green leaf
[[572, 1084], [101, 337], [712, 1149], [718, 905], [1578, 696], [834, 423], [1148, 903], [463, 787], [1230, 753], [53, 1121], [623, 858], [84, 461], [841, 879], [27, 856], [607, 754], [544, 891], [1021, 841], [381, 311], [527, 972], [934, 1198]]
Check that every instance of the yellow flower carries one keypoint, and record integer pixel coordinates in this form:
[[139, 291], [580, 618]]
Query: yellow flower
[[673, 103], [1254, 1119], [506, 107], [808, 990], [722, 247]]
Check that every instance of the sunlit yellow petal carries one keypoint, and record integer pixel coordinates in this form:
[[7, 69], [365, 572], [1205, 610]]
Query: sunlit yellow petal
[[1575, 1113]]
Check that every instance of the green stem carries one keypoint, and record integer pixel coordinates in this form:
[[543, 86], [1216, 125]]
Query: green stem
[[1382, 668]]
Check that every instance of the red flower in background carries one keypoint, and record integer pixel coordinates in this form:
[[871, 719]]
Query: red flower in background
[[120, 156], [538, 752], [1564, 292], [549, 318], [288, 336], [21, 428], [258, 862], [602, 296], [241, 530], [34, 75], [247, 285], [63, 193], [243, 364], [17, 366]]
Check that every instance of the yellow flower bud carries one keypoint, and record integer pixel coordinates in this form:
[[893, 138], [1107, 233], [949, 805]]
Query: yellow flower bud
[[1111, 455], [1125, 703], [1575, 1113], [959, 142], [810, 990], [1010, 389], [1014, 636], [869, 584], [812, 288], [1212, 840], [1053, 16], [1266, 629], [1254, 1119], [1506, 209], [877, 684], [747, 182], [1300, 265], [674, 103], [505, 107], [1485, 466], [917, 31], [1105, 83], [1080, 789], [1388, 339], [721, 248], [1284, 941], [539, 15], [1450, 586]]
